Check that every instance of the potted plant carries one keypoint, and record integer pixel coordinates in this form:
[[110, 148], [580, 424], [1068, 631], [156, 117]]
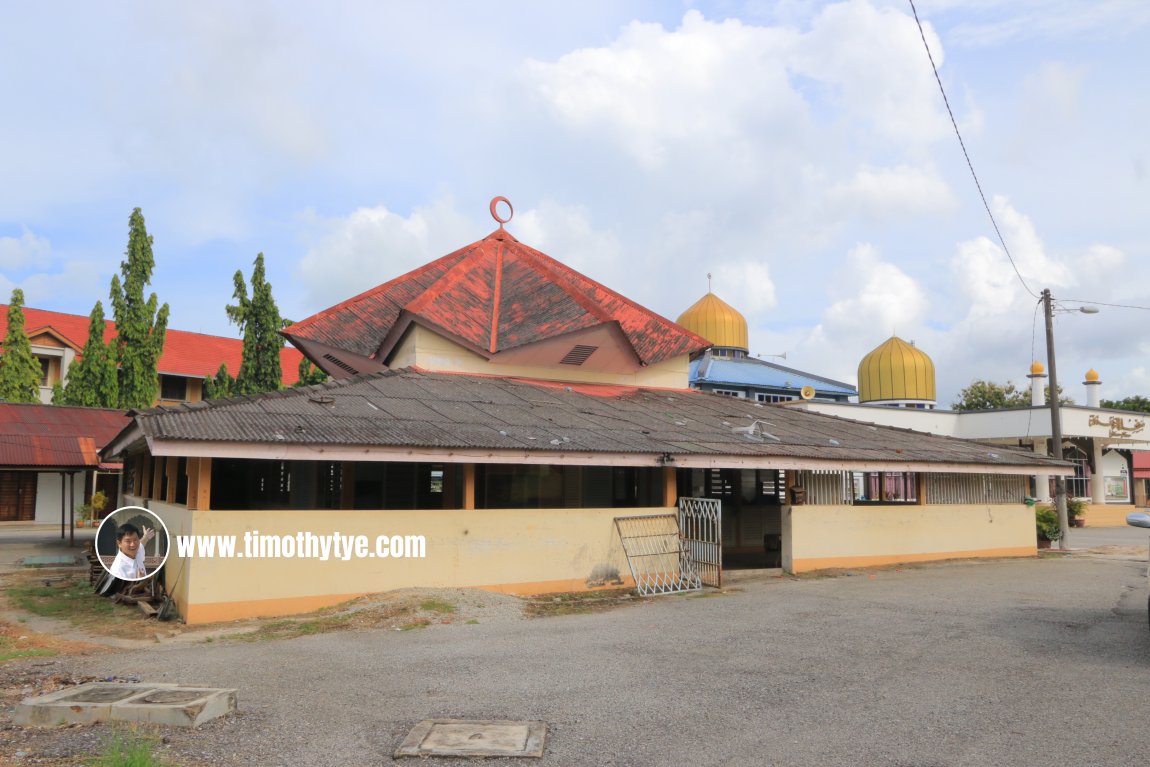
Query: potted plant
[[1075, 511], [1046, 521], [98, 502], [83, 514]]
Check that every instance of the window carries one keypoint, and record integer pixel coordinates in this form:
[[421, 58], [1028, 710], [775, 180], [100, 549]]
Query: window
[[773, 397], [730, 393], [44, 365], [173, 387], [886, 487]]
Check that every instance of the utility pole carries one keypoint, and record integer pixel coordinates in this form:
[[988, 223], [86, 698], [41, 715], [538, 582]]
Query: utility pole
[[1055, 423]]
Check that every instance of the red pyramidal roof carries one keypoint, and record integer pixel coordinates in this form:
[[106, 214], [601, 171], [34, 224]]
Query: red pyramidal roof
[[493, 295]]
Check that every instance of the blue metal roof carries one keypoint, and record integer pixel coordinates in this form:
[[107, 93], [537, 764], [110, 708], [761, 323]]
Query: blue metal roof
[[753, 372]]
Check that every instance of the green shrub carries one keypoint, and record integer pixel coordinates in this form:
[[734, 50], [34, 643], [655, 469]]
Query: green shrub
[[1046, 520]]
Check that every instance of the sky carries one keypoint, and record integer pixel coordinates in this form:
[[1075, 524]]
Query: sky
[[798, 151]]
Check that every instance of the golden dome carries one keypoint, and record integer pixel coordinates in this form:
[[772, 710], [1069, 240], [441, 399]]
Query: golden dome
[[1037, 369], [717, 321], [896, 371], [1091, 375]]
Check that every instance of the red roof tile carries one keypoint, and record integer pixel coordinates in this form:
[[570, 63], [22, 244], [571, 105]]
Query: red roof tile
[[54, 436], [194, 355], [496, 283]]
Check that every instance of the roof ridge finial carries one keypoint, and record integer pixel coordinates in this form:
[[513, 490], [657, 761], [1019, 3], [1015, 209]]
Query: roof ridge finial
[[709, 282], [495, 211]]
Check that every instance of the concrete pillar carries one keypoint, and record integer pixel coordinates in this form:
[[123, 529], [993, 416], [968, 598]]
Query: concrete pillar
[[1093, 388], [1097, 482], [1041, 481], [1041, 446]]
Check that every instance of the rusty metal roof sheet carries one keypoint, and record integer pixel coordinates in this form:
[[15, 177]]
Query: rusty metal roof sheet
[[414, 409], [51, 436]]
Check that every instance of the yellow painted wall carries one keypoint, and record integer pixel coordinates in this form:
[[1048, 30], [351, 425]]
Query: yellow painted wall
[[178, 520], [518, 551], [427, 350], [1107, 514], [820, 537]]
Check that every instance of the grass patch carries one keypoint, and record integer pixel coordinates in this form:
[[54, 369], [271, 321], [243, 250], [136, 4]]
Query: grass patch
[[75, 602], [287, 629], [577, 602], [436, 606], [9, 650], [129, 750], [472, 622]]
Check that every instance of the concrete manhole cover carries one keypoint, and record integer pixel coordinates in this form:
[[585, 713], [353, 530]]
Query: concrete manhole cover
[[474, 737]]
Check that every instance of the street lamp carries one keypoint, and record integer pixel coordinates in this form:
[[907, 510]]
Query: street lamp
[[1056, 414]]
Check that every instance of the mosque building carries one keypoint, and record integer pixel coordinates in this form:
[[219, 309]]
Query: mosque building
[[727, 368], [1110, 449]]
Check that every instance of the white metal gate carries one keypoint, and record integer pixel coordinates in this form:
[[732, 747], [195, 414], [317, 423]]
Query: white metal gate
[[701, 527], [657, 554]]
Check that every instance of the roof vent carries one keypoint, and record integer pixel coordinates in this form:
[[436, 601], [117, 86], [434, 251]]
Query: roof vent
[[578, 354], [341, 364]]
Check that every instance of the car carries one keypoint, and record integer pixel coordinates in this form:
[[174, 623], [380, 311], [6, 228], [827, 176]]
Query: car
[[1141, 519]]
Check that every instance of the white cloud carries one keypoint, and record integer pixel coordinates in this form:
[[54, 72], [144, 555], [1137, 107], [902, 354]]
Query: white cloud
[[370, 246], [899, 191], [875, 59], [27, 250]]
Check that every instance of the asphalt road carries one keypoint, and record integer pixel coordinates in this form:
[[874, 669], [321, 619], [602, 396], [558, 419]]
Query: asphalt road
[[1023, 662]]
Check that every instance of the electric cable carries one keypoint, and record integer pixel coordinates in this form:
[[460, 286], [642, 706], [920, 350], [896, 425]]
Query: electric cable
[[969, 164]]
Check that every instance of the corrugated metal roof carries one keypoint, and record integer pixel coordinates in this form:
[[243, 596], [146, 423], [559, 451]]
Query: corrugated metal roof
[[749, 371], [396, 409], [50, 436]]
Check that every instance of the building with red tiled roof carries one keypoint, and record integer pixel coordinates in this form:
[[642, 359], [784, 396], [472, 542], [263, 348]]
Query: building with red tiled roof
[[499, 307], [505, 422], [58, 338]]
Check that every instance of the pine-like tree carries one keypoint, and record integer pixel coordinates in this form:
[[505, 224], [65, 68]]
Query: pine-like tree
[[92, 379], [19, 370], [140, 324], [220, 385], [259, 320], [309, 374]]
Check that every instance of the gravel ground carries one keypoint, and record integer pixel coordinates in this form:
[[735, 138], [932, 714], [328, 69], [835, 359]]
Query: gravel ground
[[1022, 662]]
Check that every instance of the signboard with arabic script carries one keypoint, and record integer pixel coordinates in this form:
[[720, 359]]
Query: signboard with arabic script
[[1118, 425]]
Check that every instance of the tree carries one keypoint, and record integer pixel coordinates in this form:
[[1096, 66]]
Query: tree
[[259, 320], [988, 395], [20, 372], [140, 325], [221, 385], [92, 379], [309, 374], [1137, 403]]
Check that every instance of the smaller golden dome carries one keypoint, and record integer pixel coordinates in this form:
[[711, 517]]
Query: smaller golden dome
[[1037, 369], [896, 370], [1091, 375], [717, 321]]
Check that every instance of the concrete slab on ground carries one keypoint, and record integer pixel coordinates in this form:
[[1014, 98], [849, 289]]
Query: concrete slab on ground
[[147, 702], [474, 738]]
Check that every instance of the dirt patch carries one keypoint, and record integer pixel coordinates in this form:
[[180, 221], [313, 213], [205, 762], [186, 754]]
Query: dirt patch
[[576, 602]]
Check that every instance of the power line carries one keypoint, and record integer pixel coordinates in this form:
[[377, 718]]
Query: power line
[[966, 154]]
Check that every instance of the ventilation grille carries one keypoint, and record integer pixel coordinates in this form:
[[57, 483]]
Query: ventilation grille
[[578, 355], [341, 364]]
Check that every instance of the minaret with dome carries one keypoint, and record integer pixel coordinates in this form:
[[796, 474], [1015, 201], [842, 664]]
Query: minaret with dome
[[727, 367]]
